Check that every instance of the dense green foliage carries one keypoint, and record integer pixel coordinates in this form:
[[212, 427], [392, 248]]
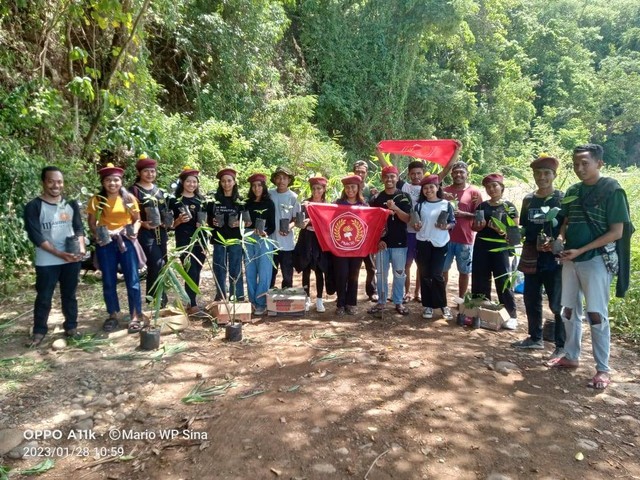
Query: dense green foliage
[[313, 84]]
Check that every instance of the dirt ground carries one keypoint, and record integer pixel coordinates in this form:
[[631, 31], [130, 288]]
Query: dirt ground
[[316, 397]]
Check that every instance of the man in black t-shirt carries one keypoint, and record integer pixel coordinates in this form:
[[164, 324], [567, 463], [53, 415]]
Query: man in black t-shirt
[[392, 247]]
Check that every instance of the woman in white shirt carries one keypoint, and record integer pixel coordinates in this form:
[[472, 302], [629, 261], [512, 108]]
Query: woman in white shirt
[[432, 235]]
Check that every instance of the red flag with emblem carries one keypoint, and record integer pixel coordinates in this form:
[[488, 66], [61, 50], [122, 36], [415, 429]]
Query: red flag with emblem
[[436, 151], [346, 230]]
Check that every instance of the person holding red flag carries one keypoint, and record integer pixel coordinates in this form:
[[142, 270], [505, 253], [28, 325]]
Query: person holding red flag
[[347, 269]]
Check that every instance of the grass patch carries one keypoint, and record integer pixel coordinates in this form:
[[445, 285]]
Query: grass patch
[[40, 468], [328, 334], [165, 351], [20, 368], [88, 342], [198, 394]]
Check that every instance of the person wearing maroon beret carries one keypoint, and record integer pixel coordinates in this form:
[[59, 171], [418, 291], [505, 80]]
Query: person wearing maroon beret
[[487, 262], [224, 217], [259, 252], [187, 206], [153, 233], [307, 254]]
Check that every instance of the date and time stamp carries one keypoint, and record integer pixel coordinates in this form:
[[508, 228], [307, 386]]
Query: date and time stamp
[[120, 436]]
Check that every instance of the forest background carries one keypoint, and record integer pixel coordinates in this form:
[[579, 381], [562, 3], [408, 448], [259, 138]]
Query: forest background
[[311, 84]]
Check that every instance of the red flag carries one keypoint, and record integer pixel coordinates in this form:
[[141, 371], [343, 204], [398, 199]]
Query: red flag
[[346, 230], [436, 151]]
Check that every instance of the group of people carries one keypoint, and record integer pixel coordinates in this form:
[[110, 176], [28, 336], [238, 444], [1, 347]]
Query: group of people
[[569, 246]]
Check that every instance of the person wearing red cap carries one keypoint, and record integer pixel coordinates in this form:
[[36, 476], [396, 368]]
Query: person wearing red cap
[[153, 233], [287, 207], [223, 217], [392, 247], [51, 221], [488, 263], [188, 207], [432, 240], [259, 253], [537, 261], [115, 210], [307, 254], [347, 269]]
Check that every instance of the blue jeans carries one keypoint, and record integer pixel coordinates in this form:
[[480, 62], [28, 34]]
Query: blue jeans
[[397, 258], [590, 281], [258, 268], [109, 257], [228, 259], [46, 280]]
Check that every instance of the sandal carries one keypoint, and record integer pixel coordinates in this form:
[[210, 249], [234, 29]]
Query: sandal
[[406, 298], [402, 310], [376, 309], [600, 381], [563, 362], [134, 326], [110, 324], [36, 340]]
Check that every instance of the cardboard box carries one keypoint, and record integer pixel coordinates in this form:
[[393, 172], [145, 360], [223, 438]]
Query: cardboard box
[[492, 319], [286, 301], [467, 311], [170, 320], [242, 311]]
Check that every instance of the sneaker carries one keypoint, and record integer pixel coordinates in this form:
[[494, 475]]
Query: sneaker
[[427, 312], [351, 310], [529, 344], [307, 304], [510, 324], [259, 311], [320, 306], [340, 311], [558, 353], [373, 298], [446, 313], [71, 333]]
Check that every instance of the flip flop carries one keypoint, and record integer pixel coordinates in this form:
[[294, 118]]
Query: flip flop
[[563, 362], [600, 381], [110, 324], [134, 326]]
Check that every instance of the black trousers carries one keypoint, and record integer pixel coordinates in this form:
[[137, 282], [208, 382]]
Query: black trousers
[[155, 249], [552, 283], [488, 264], [285, 261], [430, 260], [346, 271]]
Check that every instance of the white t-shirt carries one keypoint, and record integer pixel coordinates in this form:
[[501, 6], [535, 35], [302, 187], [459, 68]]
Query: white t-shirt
[[414, 192], [429, 212]]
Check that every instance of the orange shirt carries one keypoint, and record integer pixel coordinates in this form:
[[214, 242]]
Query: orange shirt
[[112, 212]]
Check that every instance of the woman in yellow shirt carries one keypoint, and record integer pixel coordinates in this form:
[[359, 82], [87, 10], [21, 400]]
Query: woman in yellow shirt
[[114, 220]]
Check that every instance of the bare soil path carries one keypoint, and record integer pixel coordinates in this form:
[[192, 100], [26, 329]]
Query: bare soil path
[[317, 397]]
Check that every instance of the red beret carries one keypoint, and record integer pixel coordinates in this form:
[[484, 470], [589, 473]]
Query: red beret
[[430, 180], [226, 171], [146, 162], [258, 177], [352, 180], [493, 177], [550, 163], [189, 172], [318, 181], [109, 170], [390, 169]]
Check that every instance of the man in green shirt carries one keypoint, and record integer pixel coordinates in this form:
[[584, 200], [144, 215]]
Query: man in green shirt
[[595, 212]]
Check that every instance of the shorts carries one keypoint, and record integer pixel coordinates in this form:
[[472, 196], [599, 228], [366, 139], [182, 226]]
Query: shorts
[[412, 245], [462, 253]]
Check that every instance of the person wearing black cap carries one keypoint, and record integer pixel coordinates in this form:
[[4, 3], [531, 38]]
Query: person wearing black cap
[[488, 263], [153, 234], [537, 262], [186, 206], [287, 206]]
